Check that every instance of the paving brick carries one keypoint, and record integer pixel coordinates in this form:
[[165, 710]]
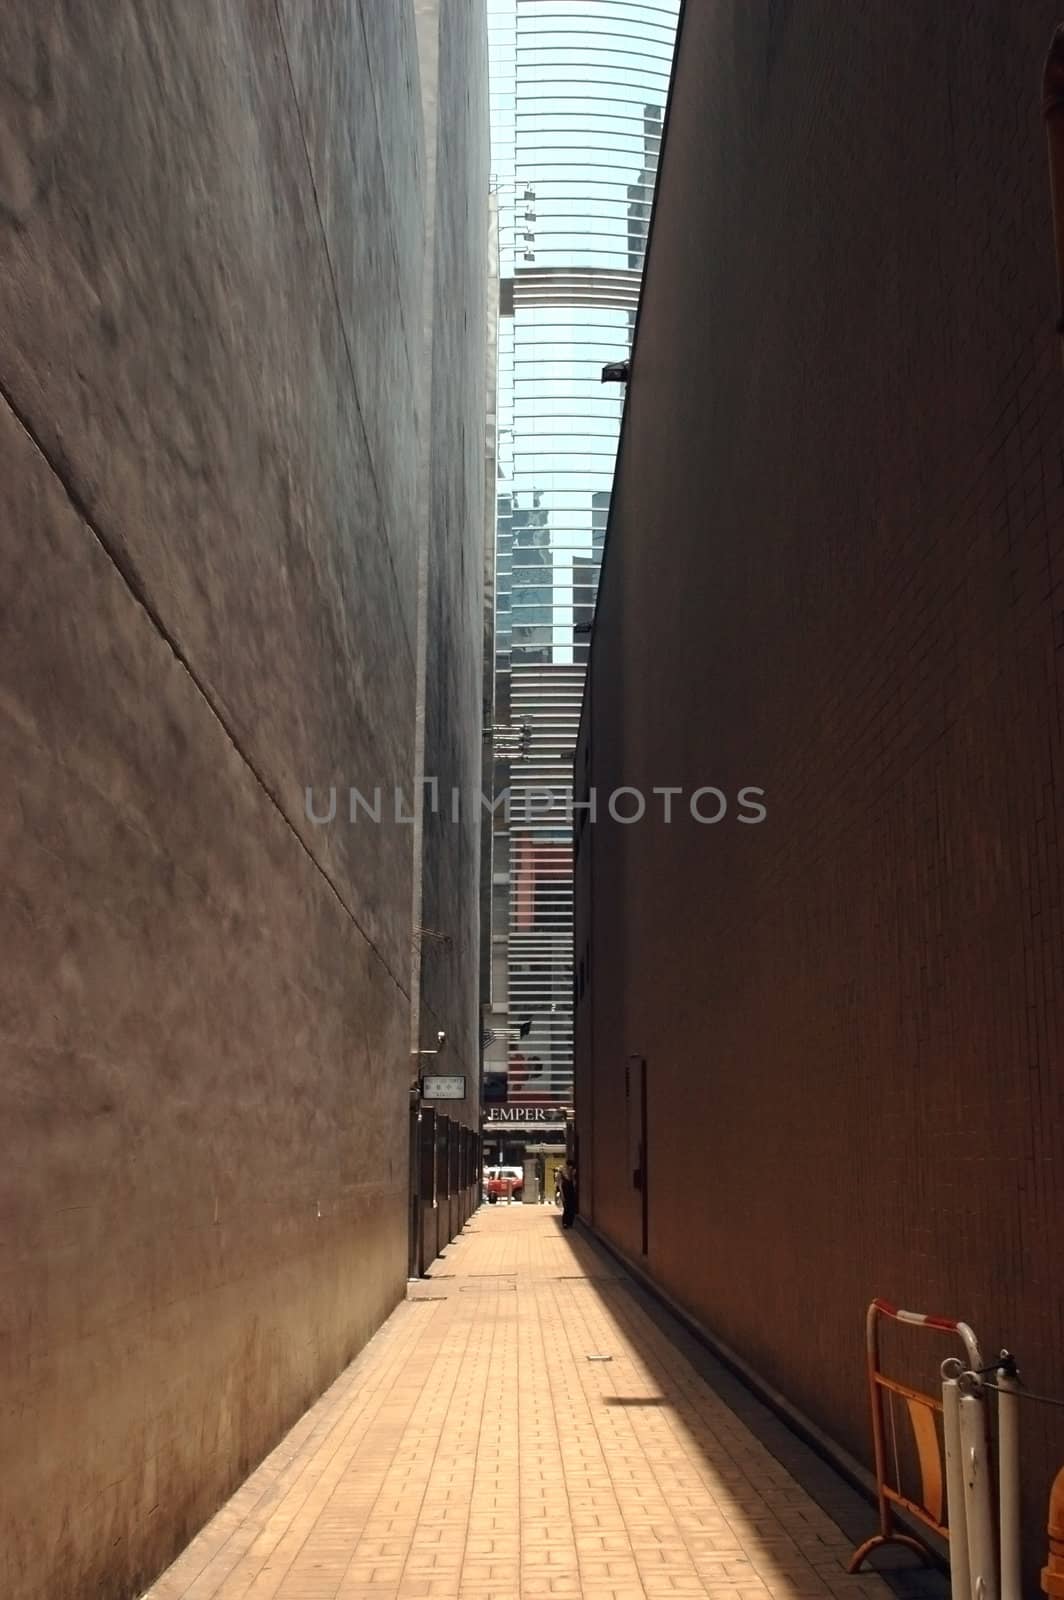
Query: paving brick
[[425, 1473]]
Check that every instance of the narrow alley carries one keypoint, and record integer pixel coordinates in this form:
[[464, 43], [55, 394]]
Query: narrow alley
[[523, 1426], [531, 678]]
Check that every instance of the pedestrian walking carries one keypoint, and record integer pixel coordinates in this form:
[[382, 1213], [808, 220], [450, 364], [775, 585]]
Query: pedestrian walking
[[567, 1184]]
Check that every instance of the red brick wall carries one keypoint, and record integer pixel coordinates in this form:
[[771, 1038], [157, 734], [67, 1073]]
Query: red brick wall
[[835, 569]]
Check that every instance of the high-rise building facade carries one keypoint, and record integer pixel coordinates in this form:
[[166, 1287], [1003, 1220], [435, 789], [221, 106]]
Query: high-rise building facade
[[577, 102]]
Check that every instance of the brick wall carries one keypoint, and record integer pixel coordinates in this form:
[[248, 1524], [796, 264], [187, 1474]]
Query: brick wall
[[835, 569]]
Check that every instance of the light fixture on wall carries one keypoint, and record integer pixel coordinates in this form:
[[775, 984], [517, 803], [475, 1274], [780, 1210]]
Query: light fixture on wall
[[417, 1086]]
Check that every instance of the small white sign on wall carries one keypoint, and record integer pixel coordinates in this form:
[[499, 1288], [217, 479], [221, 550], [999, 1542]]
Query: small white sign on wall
[[440, 1086]]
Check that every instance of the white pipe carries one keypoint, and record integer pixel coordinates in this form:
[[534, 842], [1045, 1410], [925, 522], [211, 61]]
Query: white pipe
[[959, 1572], [1009, 1481], [971, 1345], [982, 1557]]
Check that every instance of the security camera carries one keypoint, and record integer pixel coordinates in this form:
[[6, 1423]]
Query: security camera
[[616, 372], [440, 1037]]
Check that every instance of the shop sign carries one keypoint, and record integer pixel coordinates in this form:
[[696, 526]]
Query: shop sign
[[506, 1115]]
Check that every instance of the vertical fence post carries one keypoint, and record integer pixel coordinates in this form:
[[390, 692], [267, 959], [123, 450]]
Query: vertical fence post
[[982, 1555], [1008, 1407], [959, 1573]]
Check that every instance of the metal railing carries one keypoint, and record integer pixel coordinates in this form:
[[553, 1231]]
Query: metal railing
[[956, 1503]]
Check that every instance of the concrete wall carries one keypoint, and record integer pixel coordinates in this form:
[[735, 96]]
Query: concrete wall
[[454, 585], [211, 273], [446, 947], [834, 570]]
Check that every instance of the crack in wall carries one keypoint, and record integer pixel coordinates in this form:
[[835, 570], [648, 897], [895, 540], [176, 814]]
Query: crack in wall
[[134, 583]]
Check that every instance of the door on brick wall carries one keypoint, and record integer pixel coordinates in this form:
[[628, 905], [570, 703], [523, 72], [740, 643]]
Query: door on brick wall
[[635, 1089]]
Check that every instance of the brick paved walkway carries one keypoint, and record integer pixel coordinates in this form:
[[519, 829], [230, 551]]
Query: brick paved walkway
[[476, 1450]]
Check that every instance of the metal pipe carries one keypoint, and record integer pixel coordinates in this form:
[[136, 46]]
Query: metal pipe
[[879, 1453], [982, 1562], [1053, 113], [1008, 1408], [956, 1520], [971, 1345], [877, 1382]]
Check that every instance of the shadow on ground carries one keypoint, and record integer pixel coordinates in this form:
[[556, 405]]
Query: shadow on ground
[[675, 1357]]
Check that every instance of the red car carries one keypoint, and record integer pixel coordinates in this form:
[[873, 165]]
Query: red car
[[503, 1183]]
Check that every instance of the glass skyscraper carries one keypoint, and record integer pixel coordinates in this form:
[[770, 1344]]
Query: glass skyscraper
[[578, 90]]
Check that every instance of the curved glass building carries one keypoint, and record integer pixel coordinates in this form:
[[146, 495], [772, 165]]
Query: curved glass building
[[578, 90]]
